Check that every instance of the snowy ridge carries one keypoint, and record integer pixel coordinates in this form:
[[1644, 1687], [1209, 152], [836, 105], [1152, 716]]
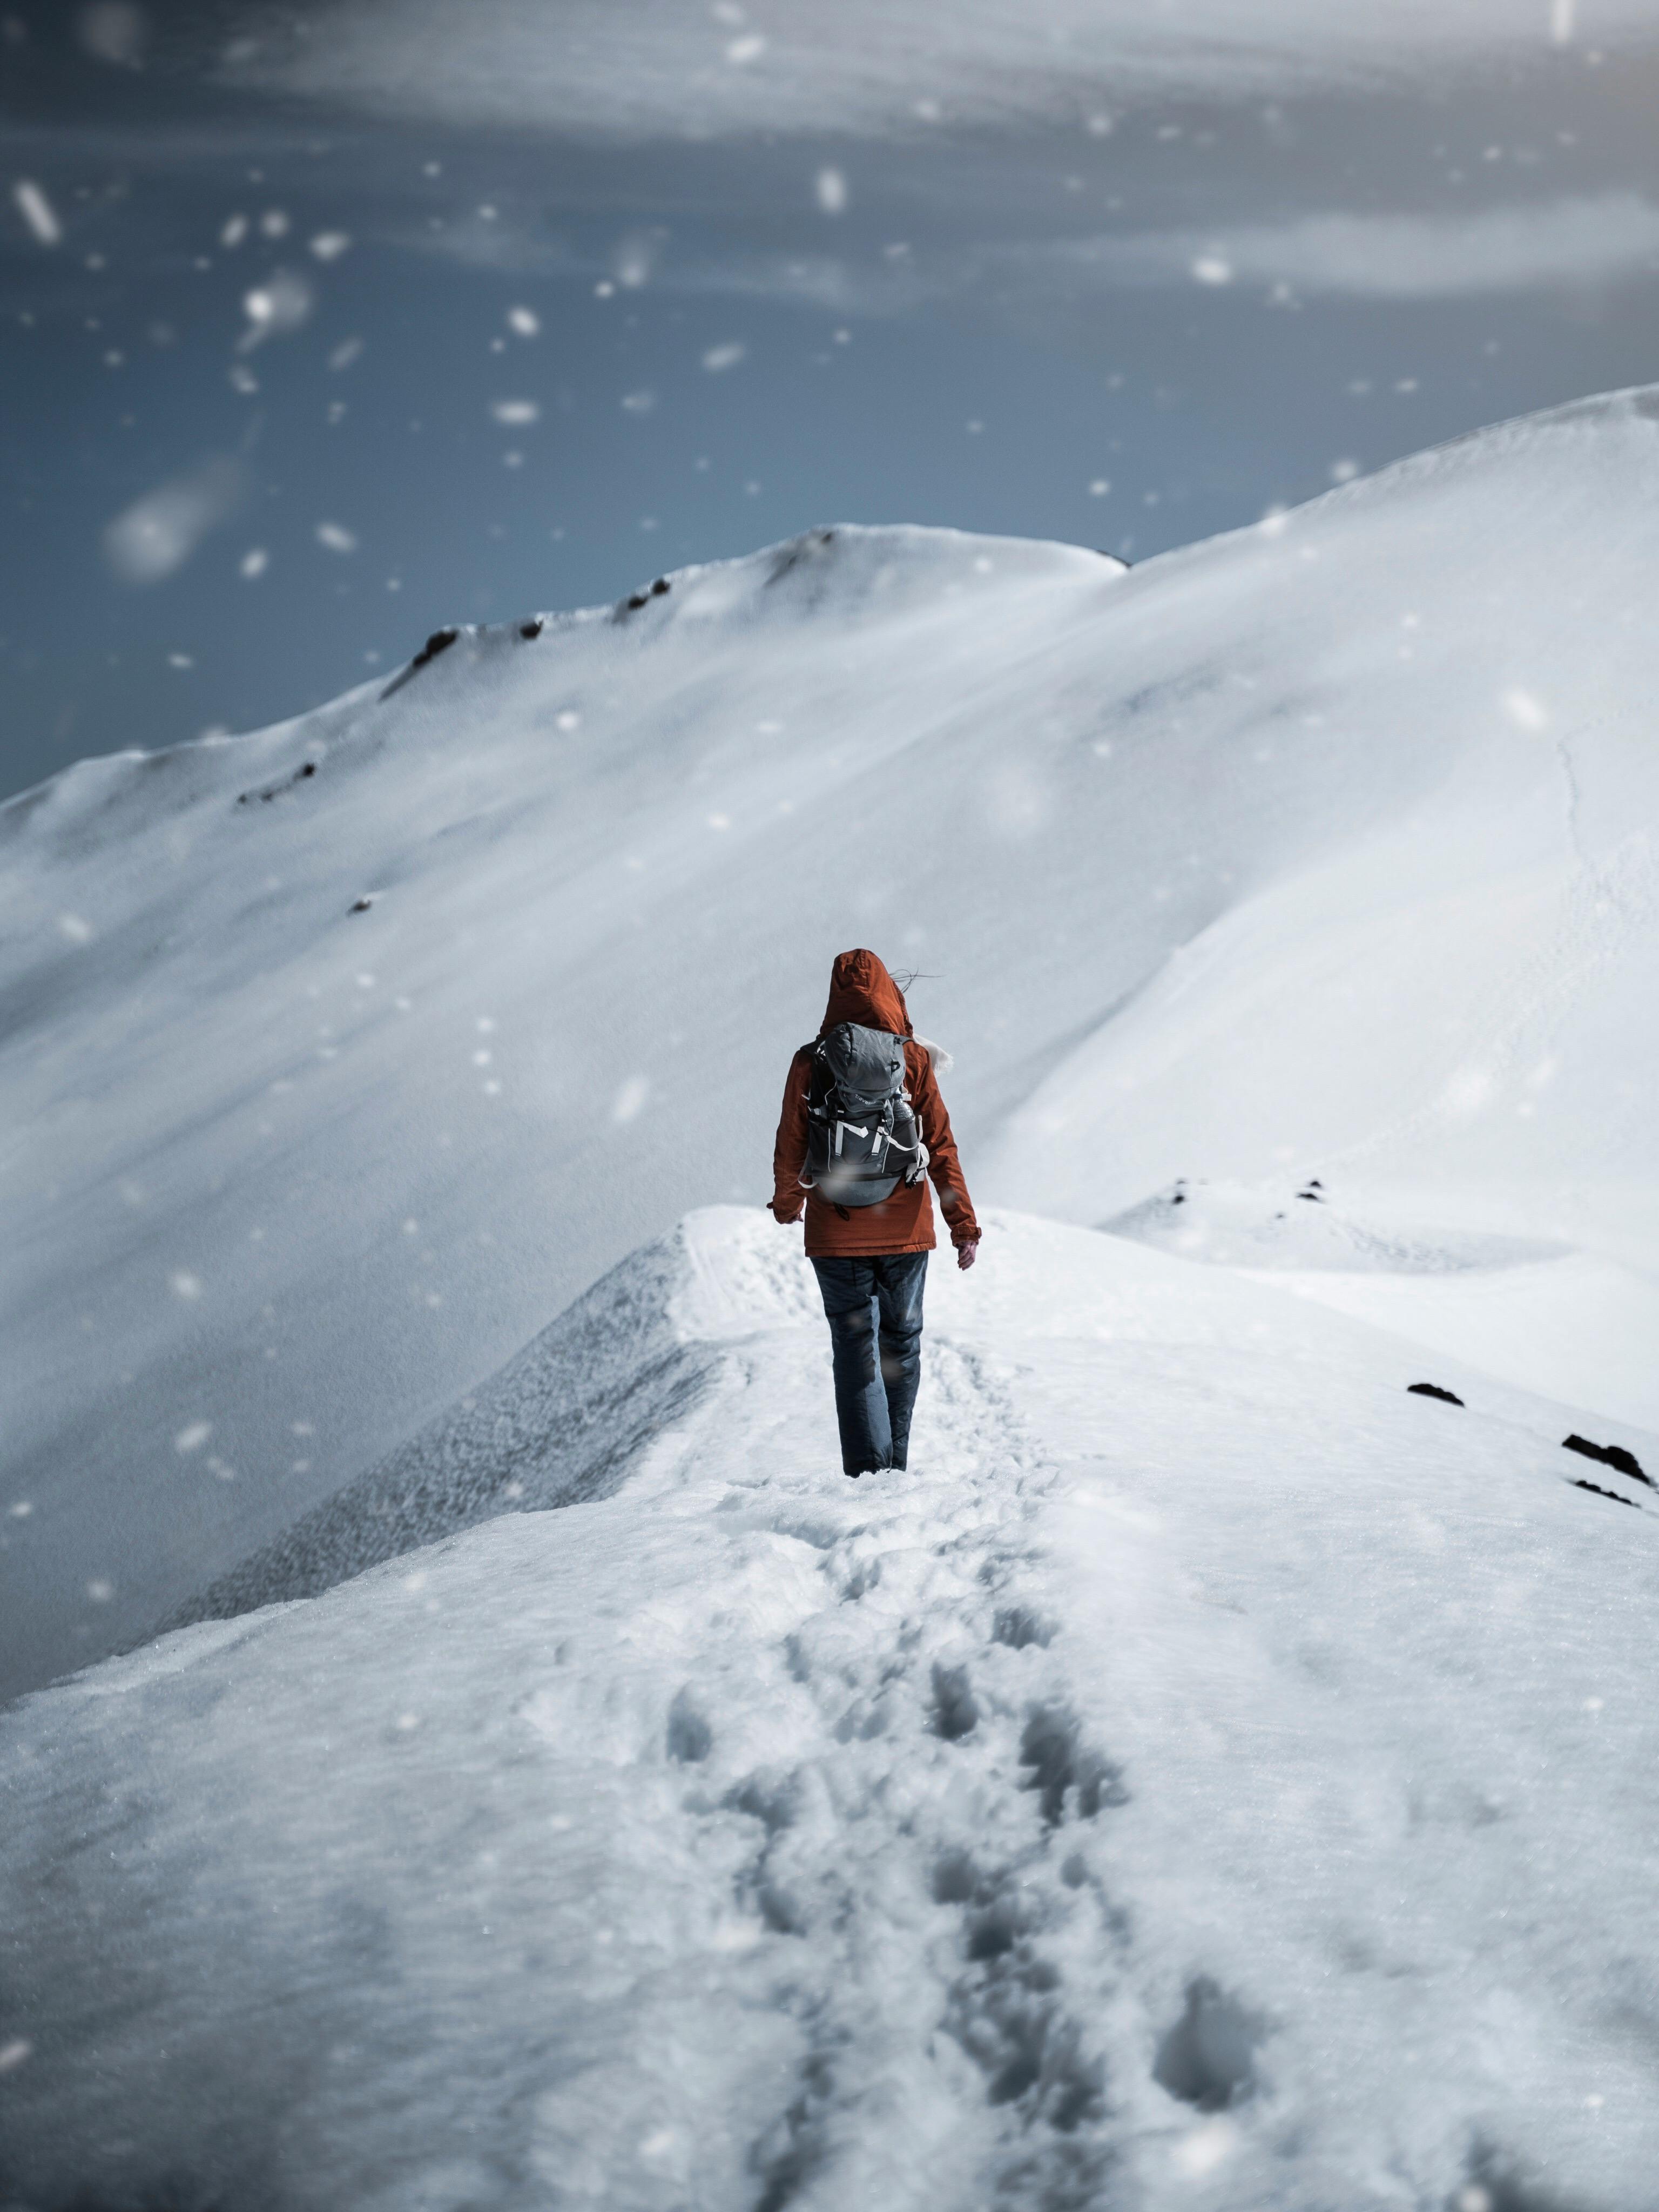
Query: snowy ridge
[[849, 571], [1213, 1777], [566, 1420], [1326, 848]]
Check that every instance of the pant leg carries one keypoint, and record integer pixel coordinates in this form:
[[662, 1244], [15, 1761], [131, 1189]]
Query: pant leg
[[901, 1278], [848, 1290]]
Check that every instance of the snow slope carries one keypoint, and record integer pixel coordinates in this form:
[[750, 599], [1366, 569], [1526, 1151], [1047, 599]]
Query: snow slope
[[568, 1419], [1323, 848], [1575, 1324], [1213, 1778]]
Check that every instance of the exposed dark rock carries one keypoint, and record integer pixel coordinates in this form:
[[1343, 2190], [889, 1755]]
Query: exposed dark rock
[[1612, 1455], [1597, 1490], [276, 790], [440, 642], [1433, 1390]]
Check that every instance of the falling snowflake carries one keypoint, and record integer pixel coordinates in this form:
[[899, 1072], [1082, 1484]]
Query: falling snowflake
[[630, 1098], [36, 211]]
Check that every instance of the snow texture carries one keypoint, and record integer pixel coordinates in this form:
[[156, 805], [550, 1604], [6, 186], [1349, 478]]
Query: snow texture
[[337, 1057], [1214, 1777]]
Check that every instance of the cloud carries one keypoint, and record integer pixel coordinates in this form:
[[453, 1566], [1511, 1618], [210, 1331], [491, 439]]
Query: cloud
[[114, 31], [887, 285], [1607, 238], [1587, 240], [672, 69], [158, 534]]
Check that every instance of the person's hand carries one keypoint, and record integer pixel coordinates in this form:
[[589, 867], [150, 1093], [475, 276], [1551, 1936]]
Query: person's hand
[[783, 1220], [967, 1254]]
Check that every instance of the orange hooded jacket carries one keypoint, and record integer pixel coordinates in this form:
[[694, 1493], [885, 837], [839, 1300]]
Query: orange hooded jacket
[[861, 990]]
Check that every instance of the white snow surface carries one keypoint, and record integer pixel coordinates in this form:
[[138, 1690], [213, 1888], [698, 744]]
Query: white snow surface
[[1215, 1776], [1575, 1324], [1212, 1779], [1323, 849]]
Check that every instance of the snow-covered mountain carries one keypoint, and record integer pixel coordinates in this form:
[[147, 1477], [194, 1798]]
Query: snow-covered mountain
[[1221, 1774], [1326, 848]]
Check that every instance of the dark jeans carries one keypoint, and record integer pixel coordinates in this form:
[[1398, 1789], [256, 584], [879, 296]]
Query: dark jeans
[[874, 1303]]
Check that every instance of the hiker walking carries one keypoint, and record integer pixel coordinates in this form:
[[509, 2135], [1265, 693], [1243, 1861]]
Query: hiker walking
[[863, 1128]]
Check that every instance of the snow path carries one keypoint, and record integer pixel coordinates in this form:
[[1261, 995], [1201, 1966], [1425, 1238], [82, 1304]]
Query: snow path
[[916, 1767], [823, 1764], [1213, 1778]]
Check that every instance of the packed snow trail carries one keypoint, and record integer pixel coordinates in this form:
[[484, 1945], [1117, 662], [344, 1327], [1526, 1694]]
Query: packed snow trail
[[335, 1057], [1212, 1777]]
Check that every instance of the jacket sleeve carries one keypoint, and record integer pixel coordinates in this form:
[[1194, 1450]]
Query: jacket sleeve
[[788, 1200], [942, 1165]]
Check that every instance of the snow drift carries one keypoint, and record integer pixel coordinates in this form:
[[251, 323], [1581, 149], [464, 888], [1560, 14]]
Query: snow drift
[[339, 1056], [1214, 1778]]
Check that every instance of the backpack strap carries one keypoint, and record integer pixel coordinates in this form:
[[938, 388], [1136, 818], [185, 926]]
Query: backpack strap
[[804, 1181]]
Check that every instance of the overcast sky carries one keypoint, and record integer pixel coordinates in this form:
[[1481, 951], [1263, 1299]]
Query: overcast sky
[[320, 327]]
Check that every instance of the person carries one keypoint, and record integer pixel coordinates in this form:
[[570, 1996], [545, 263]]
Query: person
[[871, 1258]]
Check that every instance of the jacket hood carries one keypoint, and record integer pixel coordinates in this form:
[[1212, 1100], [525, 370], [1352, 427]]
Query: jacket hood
[[862, 990]]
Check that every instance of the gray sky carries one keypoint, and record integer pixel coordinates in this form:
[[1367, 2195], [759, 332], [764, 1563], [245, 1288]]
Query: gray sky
[[320, 327]]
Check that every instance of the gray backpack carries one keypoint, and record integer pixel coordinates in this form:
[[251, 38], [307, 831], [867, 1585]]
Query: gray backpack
[[862, 1137]]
